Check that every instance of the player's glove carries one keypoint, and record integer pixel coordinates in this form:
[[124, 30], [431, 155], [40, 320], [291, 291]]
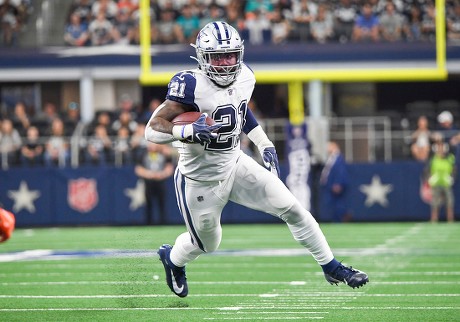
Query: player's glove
[[270, 159], [197, 132]]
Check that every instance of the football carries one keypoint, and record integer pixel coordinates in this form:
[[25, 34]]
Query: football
[[190, 117], [7, 223]]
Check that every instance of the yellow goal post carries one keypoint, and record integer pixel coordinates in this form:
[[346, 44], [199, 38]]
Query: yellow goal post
[[296, 77]]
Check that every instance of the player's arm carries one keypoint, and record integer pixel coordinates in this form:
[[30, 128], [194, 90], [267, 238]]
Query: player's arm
[[159, 128], [179, 99], [266, 147]]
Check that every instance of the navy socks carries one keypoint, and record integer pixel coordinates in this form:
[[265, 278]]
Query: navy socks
[[331, 266]]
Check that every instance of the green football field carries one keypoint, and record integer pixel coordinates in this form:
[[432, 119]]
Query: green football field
[[259, 274]]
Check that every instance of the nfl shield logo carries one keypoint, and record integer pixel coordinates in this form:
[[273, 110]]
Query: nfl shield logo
[[82, 194]]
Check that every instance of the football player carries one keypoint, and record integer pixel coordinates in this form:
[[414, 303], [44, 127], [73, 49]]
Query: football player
[[212, 169]]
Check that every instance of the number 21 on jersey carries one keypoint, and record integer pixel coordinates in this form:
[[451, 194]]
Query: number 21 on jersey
[[231, 119]]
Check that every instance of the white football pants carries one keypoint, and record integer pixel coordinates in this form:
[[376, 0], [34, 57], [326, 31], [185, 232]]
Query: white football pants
[[250, 185]]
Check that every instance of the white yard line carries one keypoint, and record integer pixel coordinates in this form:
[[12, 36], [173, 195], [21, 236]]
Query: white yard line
[[216, 308], [322, 295], [216, 283], [142, 273]]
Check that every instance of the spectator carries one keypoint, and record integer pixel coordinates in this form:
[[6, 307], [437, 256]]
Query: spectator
[[414, 24], [10, 22], [391, 23], [442, 172], [129, 5], [127, 104], [378, 6], [345, 15], [121, 148], [258, 28], [20, 119], [82, 8], [138, 142], [154, 103], [226, 3], [48, 114], [124, 32], [98, 148], [32, 150], [262, 6], [154, 166], [303, 13], [199, 8], [428, 22], [108, 7], [103, 118], [322, 26], [76, 32], [447, 130], [166, 31], [285, 6], [136, 26], [280, 27], [214, 13], [10, 143], [334, 182], [57, 147], [453, 24], [101, 30], [421, 145], [72, 118], [189, 25], [170, 4], [234, 18], [124, 120], [366, 26]]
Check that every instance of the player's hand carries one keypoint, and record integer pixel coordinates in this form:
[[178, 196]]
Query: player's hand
[[270, 159], [199, 131]]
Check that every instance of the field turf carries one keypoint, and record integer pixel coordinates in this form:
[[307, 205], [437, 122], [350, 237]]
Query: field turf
[[259, 274]]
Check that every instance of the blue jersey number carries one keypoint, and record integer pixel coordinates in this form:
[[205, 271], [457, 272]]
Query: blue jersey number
[[231, 119]]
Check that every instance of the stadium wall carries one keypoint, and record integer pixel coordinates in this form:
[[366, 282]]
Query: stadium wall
[[114, 196]]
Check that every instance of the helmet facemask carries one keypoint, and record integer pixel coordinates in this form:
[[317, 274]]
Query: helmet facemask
[[215, 43]]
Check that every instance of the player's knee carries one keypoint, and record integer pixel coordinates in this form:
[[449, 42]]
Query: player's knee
[[208, 222], [210, 231], [295, 214]]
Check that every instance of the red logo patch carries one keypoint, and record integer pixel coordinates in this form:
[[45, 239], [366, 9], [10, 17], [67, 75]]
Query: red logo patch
[[82, 194]]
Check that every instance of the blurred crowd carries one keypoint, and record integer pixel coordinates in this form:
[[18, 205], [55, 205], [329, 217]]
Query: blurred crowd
[[428, 135], [13, 18], [49, 138], [100, 22]]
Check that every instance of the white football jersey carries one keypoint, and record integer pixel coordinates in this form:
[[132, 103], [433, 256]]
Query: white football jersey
[[228, 106]]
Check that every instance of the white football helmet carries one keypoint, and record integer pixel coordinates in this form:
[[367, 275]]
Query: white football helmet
[[215, 39]]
